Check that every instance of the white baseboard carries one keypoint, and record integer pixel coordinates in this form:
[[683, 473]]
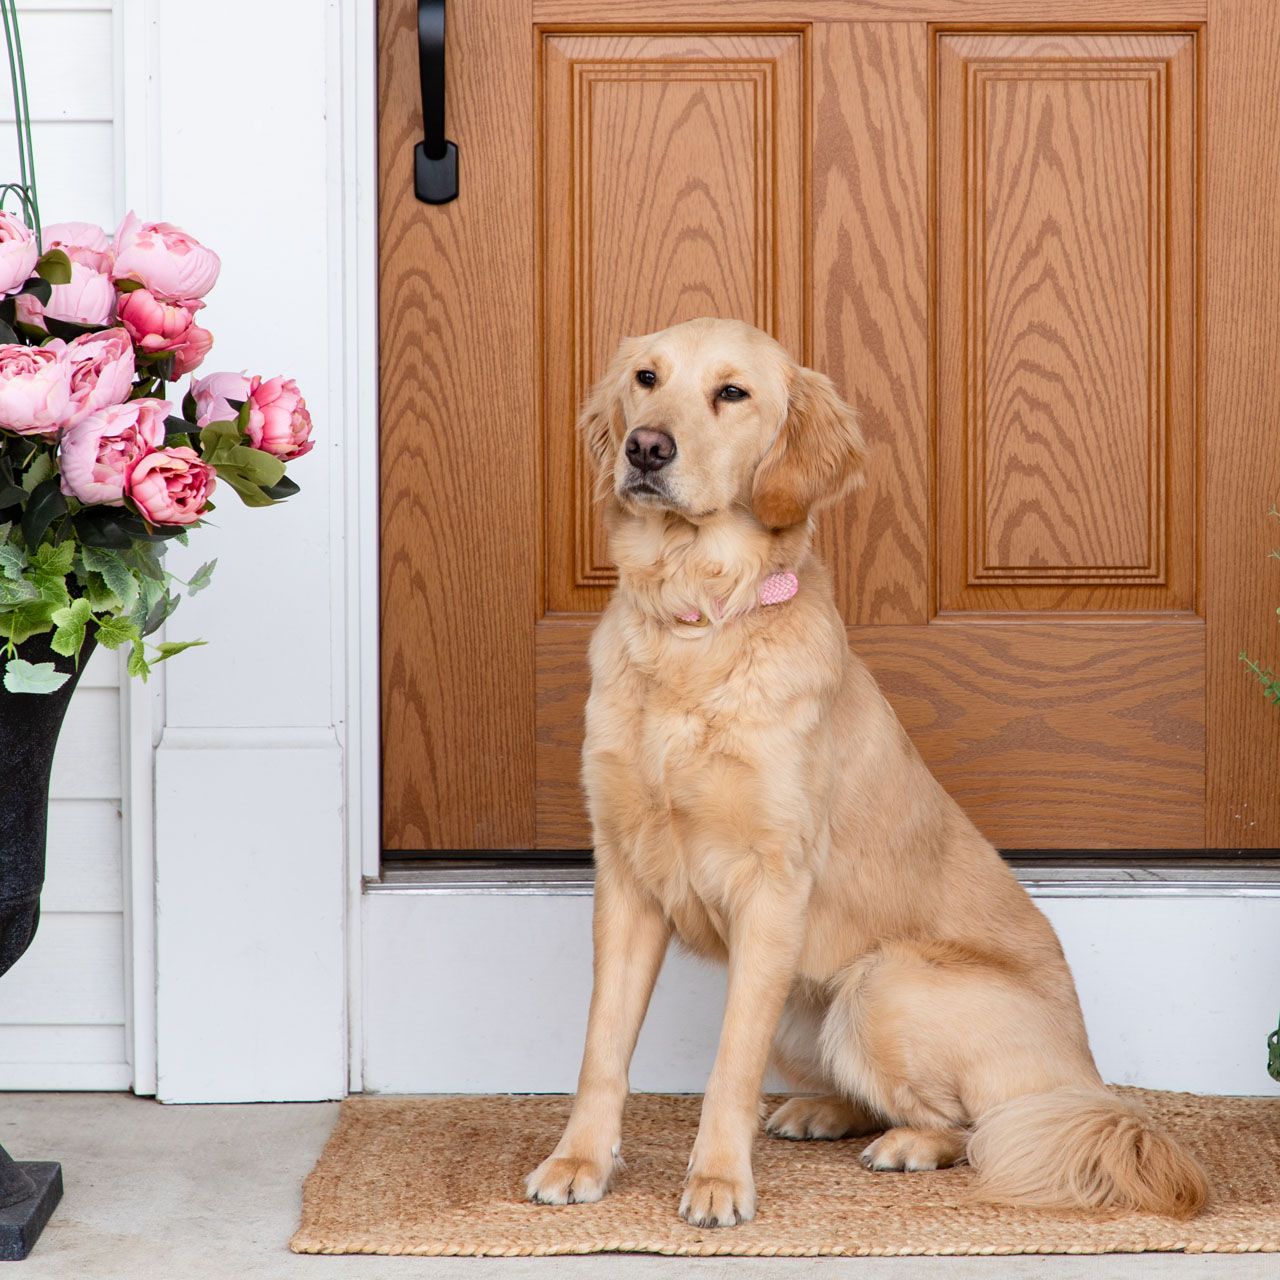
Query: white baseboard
[[487, 992], [65, 1077]]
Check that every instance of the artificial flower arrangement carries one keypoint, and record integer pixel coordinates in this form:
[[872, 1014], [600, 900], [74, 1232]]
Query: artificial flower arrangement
[[97, 471]]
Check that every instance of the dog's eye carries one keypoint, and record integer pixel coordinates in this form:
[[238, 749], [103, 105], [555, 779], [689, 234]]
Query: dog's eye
[[646, 377], [732, 392]]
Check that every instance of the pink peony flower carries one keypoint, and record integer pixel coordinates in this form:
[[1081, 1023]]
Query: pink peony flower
[[169, 263], [156, 325], [89, 298], [83, 242], [102, 371], [212, 393], [190, 355], [27, 310], [96, 455], [18, 253], [279, 422], [278, 419], [35, 390], [171, 486]]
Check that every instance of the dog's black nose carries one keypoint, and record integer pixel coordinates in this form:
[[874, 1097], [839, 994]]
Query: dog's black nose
[[650, 450]]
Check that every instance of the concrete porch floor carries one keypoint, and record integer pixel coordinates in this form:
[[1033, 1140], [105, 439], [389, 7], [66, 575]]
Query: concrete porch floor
[[212, 1193]]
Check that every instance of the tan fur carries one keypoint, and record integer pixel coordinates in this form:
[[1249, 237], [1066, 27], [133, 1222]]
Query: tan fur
[[752, 793]]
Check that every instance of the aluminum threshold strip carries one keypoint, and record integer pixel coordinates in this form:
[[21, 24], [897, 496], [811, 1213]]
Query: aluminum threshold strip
[[1256, 879]]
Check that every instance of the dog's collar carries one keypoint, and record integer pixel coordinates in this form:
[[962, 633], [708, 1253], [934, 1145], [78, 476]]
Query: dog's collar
[[777, 588]]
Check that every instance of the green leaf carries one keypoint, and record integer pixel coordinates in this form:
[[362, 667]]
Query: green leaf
[[171, 647], [12, 560], [19, 592], [114, 527], [201, 578], [21, 676], [160, 612], [100, 596], [254, 464], [138, 664], [55, 267], [38, 469], [44, 506], [68, 330], [69, 626], [217, 440], [251, 494], [127, 285], [148, 612], [40, 290], [189, 410], [54, 558], [113, 632], [144, 560], [282, 489], [7, 334], [31, 619], [115, 573]]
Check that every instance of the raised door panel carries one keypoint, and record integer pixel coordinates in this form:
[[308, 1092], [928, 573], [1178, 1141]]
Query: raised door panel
[[671, 187], [1065, 308]]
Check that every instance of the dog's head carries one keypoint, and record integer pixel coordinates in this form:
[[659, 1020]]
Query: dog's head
[[713, 414]]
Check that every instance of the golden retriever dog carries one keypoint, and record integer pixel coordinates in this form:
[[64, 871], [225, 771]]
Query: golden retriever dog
[[752, 793]]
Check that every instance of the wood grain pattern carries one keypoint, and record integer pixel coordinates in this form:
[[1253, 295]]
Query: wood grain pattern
[[1079, 13], [1066, 399], [1242, 587], [459, 422], [1050, 735], [564, 681], [870, 304], [671, 187]]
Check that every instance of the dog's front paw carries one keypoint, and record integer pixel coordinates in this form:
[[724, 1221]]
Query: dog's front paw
[[569, 1180], [712, 1200]]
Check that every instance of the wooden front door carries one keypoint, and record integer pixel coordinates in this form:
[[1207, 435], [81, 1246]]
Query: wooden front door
[[1036, 243]]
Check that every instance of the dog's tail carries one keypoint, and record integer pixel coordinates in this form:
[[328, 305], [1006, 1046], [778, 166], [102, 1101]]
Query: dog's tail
[[1083, 1148]]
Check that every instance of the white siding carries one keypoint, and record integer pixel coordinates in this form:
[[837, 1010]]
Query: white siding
[[62, 1007]]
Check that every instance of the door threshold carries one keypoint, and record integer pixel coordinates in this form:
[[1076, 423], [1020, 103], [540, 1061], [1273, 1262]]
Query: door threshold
[[1209, 874]]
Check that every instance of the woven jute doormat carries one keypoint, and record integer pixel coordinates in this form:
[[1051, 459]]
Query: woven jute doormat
[[443, 1176]]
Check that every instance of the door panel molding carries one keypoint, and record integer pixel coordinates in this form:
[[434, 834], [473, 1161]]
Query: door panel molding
[[1050, 735], [1066, 309], [720, 220]]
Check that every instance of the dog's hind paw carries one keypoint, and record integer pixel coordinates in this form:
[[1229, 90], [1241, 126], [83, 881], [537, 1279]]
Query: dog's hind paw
[[826, 1117], [914, 1150]]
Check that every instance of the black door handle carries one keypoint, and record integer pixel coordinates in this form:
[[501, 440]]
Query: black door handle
[[435, 158]]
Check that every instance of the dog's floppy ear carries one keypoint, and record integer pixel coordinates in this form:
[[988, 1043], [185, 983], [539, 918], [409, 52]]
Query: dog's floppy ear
[[602, 422], [815, 458]]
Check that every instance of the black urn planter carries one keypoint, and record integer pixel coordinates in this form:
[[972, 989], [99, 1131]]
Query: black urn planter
[[29, 728]]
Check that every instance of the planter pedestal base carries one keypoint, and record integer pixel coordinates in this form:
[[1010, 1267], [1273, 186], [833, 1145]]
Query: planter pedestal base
[[22, 1221]]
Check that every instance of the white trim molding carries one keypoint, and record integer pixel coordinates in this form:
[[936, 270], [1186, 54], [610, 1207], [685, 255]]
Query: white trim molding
[[141, 706], [252, 807], [1178, 989], [353, 223]]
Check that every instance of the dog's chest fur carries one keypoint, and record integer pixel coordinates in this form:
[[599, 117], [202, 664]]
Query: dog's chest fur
[[699, 759]]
